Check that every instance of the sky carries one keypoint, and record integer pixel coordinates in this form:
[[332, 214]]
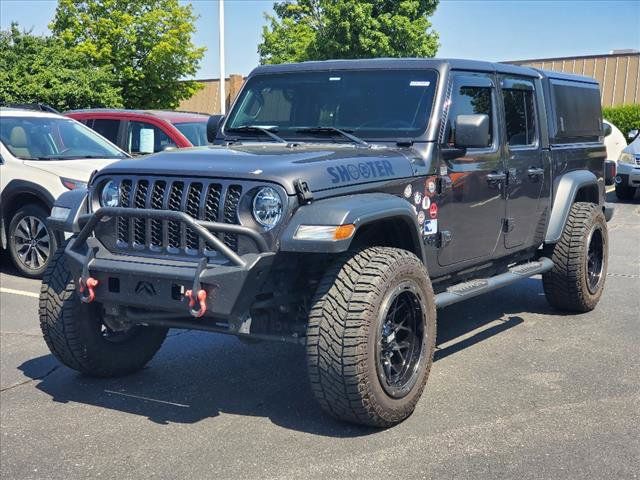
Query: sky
[[493, 30]]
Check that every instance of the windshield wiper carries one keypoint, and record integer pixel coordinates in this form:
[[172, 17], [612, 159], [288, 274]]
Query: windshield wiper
[[255, 128], [344, 133]]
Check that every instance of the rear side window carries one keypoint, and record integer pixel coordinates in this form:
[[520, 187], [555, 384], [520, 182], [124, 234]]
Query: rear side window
[[578, 114], [520, 117], [107, 128], [469, 100]]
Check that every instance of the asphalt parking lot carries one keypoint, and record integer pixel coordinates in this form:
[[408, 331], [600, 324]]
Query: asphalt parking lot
[[517, 391]]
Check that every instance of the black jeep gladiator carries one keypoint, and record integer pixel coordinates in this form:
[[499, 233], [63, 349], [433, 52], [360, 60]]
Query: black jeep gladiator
[[344, 203]]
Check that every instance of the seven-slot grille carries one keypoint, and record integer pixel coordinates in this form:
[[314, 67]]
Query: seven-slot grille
[[213, 201]]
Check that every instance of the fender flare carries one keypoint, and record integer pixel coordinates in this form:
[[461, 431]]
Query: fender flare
[[565, 194], [359, 210], [76, 201]]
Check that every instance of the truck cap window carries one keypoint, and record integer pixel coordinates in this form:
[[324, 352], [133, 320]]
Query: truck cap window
[[372, 104], [47, 138]]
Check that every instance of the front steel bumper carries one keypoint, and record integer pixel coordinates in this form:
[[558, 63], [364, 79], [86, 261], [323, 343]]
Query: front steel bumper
[[159, 283]]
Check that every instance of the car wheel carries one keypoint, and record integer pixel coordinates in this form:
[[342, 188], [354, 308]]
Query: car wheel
[[371, 336], [624, 192], [31, 243]]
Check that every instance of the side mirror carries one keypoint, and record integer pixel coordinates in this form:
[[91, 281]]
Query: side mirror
[[472, 131], [606, 128], [632, 134], [213, 125]]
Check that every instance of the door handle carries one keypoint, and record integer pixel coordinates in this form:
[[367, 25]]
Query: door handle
[[535, 172], [496, 177]]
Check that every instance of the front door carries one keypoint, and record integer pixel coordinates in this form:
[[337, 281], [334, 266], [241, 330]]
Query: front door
[[472, 211], [527, 174]]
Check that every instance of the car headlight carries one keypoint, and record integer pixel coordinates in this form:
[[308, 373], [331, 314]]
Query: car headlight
[[267, 207], [626, 158], [110, 194], [72, 184]]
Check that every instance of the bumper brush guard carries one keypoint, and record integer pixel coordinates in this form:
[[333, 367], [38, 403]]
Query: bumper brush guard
[[197, 301]]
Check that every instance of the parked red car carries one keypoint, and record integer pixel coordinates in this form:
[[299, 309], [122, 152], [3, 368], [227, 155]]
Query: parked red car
[[140, 132]]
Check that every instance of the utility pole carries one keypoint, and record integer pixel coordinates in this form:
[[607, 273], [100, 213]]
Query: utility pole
[[223, 94]]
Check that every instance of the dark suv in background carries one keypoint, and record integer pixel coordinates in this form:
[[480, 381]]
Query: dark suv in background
[[140, 132]]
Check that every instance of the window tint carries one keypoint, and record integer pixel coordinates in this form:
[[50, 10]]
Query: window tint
[[143, 138], [520, 117], [107, 128], [469, 101]]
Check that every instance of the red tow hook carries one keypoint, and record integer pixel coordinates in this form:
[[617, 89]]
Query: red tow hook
[[89, 285], [202, 301]]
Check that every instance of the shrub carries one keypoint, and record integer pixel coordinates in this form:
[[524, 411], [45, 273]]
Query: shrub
[[625, 117]]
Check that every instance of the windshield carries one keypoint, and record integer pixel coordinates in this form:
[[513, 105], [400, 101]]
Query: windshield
[[372, 104], [52, 138], [196, 132]]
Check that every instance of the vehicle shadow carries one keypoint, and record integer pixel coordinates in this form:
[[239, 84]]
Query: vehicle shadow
[[197, 375]]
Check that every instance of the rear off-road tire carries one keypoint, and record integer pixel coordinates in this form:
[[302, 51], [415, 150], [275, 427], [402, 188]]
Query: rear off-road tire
[[76, 335], [576, 281], [357, 345]]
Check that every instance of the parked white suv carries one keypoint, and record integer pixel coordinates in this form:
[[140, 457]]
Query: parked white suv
[[628, 169], [41, 156]]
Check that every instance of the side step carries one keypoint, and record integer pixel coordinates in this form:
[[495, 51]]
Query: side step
[[473, 288]]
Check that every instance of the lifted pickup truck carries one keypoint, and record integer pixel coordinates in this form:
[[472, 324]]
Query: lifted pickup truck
[[345, 202]]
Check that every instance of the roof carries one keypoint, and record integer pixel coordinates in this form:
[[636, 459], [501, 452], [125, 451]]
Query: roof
[[405, 63], [20, 112], [391, 63], [168, 115]]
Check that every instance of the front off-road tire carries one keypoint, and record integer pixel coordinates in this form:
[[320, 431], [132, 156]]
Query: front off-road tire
[[580, 258], [76, 335], [356, 345]]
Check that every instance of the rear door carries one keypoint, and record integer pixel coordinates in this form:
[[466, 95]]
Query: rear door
[[472, 211], [527, 173]]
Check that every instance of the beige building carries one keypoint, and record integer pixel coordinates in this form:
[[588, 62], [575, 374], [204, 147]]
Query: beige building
[[207, 100], [618, 73]]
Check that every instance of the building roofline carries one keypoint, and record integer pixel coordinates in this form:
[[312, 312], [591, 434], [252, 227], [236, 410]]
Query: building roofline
[[574, 57]]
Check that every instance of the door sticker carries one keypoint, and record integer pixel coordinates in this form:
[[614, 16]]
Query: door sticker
[[430, 227]]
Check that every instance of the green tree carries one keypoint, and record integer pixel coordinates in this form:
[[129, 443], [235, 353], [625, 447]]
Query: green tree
[[40, 69], [324, 29], [146, 44]]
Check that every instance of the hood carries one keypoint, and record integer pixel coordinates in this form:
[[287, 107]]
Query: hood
[[633, 147], [322, 166], [73, 169]]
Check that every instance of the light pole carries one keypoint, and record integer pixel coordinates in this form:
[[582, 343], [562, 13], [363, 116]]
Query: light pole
[[223, 95]]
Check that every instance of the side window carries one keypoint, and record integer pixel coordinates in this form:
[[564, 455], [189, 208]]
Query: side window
[[520, 117], [469, 100], [143, 138], [107, 128]]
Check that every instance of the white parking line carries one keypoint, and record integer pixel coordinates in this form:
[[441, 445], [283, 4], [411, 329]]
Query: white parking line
[[19, 292]]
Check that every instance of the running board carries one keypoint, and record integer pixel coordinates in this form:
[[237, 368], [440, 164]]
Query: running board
[[473, 288]]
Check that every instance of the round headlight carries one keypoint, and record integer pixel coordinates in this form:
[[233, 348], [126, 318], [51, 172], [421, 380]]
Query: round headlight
[[267, 207], [110, 195]]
